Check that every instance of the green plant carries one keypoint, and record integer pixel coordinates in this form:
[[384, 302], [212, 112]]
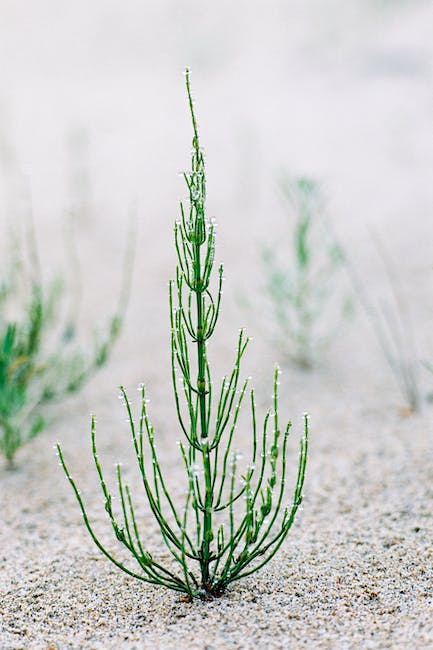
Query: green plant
[[392, 327], [229, 524], [40, 359], [302, 290]]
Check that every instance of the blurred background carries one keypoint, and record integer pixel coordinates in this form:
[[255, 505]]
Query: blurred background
[[93, 120]]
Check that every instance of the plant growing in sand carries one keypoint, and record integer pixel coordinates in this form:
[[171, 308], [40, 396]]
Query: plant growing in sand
[[229, 524], [392, 327], [302, 291], [40, 358]]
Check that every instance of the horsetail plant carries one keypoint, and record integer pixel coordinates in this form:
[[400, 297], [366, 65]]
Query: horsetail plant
[[229, 524], [40, 357], [302, 288]]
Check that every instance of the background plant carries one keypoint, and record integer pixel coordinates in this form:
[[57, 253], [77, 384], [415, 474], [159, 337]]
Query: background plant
[[41, 358], [301, 282], [231, 522], [391, 323]]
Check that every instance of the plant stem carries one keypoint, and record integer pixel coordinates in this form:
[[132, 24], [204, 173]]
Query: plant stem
[[201, 387], [201, 355]]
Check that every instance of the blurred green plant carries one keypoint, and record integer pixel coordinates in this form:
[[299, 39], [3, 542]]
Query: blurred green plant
[[41, 359], [303, 288], [231, 523], [390, 320]]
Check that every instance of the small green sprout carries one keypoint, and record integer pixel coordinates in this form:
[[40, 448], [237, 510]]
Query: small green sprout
[[392, 326], [40, 358], [230, 522], [302, 289]]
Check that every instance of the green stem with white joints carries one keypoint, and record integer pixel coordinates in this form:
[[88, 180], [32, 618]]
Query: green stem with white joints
[[213, 531]]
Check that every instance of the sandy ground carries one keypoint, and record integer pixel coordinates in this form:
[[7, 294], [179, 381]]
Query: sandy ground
[[338, 92]]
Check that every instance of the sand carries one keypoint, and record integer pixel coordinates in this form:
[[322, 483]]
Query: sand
[[355, 571], [339, 93]]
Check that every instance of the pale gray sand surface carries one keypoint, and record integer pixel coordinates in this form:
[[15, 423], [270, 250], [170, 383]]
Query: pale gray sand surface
[[341, 92], [356, 571]]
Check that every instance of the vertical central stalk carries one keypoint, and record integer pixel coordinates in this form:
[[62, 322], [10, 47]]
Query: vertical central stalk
[[201, 378], [201, 388]]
